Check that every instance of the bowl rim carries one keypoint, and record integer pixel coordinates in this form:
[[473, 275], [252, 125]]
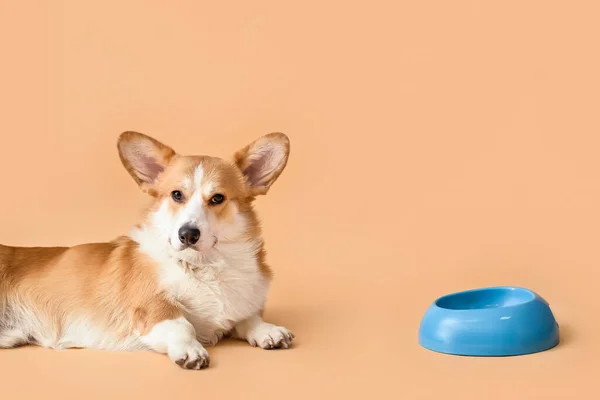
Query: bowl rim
[[534, 297]]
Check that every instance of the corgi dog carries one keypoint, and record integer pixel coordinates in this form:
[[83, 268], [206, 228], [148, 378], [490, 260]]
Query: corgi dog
[[191, 272]]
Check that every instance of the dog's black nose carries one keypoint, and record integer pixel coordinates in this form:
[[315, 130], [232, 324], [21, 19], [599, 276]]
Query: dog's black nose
[[189, 234]]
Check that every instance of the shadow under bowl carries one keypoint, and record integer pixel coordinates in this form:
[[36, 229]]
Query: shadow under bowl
[[496, 321]]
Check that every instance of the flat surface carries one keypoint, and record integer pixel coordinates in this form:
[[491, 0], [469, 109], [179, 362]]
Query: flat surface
[[437, 146]]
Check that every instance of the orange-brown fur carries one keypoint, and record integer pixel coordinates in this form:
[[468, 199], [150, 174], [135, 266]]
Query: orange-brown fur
[[112, 283]]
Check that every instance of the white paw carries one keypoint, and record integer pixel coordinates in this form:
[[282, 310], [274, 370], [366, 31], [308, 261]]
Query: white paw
[[268, 336], [189, 355], [212, 338]]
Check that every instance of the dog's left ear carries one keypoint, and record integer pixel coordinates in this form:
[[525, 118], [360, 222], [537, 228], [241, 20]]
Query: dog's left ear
[[144, 157], [263, 161]]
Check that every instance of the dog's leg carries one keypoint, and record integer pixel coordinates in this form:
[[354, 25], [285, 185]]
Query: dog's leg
[[12, 338], [175, 337], [260, 333]]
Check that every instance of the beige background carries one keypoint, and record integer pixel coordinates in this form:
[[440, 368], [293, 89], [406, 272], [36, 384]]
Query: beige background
[[437, 146]]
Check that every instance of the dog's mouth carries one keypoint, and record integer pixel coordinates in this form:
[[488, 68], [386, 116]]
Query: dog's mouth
[[180, 247]]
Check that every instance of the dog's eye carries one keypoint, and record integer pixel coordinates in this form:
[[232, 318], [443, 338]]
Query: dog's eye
[[177, 196], [217, 199]]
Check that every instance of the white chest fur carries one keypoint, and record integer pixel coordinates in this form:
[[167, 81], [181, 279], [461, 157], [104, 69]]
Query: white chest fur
[[224, 290]]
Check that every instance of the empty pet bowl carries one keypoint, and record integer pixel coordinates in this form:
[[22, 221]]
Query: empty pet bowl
[[497, 321]]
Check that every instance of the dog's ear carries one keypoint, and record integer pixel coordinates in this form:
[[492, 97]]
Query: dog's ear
[[263, 161], [143, 157]]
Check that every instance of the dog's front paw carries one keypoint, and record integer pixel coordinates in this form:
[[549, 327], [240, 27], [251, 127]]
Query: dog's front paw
[[212, 338], [190, 355], [268, 336]]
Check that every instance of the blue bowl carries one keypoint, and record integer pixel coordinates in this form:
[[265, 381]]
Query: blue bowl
[[497, 321]]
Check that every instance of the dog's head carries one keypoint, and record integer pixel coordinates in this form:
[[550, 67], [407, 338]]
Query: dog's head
[[199, 201]]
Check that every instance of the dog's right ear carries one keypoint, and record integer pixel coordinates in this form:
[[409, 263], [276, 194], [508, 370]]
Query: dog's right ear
[[144, 158]]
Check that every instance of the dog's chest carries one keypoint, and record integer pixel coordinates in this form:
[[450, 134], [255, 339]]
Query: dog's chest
[[217, 296]]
